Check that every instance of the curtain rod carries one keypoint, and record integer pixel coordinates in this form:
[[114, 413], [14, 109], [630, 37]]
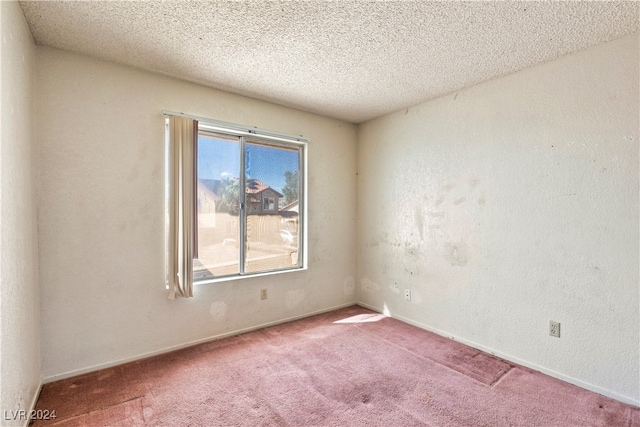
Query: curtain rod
[[249, 130]]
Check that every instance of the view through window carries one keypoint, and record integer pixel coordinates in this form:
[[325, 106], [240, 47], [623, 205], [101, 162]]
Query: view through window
[[248, 205]]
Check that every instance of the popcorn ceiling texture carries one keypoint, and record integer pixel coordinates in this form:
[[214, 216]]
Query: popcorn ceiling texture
[[349, 60]]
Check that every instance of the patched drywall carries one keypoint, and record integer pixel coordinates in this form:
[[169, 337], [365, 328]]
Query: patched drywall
[[101, 162], [510, 204], [20, 372]]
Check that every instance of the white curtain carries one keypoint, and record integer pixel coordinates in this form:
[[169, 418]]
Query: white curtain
[[182, 170]]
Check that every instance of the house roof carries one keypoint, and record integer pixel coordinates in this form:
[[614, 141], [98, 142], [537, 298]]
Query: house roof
[[213, 185], [293, 206], [256, 186], [202, 187]]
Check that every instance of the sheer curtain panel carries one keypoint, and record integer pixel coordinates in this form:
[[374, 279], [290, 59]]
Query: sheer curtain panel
[[181, 169]]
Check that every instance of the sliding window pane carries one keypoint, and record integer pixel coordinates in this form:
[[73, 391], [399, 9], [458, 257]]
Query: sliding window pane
[[272, 202], [218, 198]]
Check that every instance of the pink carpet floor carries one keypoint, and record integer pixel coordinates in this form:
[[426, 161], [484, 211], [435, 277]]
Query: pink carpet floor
[[350, 367]]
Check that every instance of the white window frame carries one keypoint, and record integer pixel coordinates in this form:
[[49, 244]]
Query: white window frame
[[269, 137]]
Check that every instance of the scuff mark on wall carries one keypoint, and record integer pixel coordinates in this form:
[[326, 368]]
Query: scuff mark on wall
[[218, 310], [461, 192], [419, 222], [368, 286], [395, 288], [416, 296], [456, 201], [410, 260], [456, 253]]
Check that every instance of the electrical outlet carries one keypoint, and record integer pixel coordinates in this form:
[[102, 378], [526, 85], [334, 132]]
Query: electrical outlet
[[407, 294], [554, 329], [263, 293]]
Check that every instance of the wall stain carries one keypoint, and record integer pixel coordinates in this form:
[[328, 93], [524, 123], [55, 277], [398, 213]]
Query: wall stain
[[419, 222], [349, 285], [218, 310], [294, 297], [456, 253], [395, 288], [459, 200], [368, 286]]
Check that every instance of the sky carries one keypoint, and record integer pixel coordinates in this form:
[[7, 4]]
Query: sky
[[219, 158]]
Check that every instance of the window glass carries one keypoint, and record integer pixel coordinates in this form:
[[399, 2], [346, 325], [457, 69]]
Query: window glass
[[218, 207], [253, 230], [272, 226]]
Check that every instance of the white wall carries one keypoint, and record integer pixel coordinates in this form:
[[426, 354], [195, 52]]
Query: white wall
[[20, 372], [101, 179], [509, 204]]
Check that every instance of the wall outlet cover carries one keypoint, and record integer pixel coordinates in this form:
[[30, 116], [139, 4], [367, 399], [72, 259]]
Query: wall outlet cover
[[554, 328]]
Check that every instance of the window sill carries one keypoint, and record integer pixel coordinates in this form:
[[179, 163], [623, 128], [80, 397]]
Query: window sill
[[247, 276]]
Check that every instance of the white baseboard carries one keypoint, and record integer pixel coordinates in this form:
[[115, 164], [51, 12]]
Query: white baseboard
[[93, 368], [510, 358], [32, 405]]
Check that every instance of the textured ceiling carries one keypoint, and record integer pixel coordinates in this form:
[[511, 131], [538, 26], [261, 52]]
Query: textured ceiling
[[349, 60]]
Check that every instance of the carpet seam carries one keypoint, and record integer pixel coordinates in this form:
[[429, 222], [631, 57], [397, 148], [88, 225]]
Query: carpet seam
[[504, 374], [63, 420], [428, 358]]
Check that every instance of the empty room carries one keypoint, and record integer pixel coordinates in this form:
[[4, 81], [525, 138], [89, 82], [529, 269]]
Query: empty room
[[439, 224]]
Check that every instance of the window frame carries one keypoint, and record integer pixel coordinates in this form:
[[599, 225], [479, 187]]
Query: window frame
[[248, 135]]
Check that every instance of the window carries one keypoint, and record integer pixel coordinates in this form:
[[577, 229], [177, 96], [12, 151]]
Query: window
[[248, 190], [269, 203]]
